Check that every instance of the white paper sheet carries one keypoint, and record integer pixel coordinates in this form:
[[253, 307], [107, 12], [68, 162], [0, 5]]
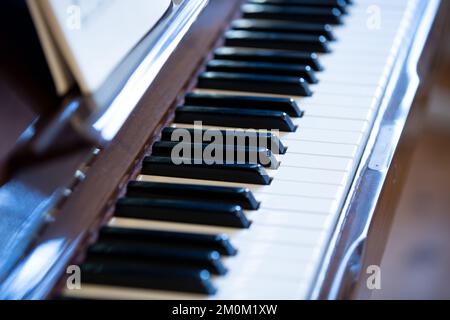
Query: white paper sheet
[[91, 37]]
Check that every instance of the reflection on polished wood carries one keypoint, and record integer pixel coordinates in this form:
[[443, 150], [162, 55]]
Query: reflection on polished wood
[[416, 263]]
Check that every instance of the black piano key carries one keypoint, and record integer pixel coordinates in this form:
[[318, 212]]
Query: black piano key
[[153, 190], [262, 55], [240, 137], [342, 5], [277, 40], [246, 154], [245, 173], [144, 277], [178, 240], [284, 27], [286, 105], [180, 211], [236, 118], [292, 13], [266, 68], [154, 256], [254, 83]]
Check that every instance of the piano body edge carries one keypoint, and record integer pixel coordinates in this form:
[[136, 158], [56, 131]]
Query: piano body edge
[[361, 241]]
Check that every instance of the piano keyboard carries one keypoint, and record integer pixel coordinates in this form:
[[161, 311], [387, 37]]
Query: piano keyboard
[[314, 70]]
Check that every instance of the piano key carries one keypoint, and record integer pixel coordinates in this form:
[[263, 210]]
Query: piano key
[[182, 211], [250, 118], [278, 187], [254, 83], [278, 69], [301, 236], [247, 290], [341, 89], [274, 251], [317, 162], [322, 149], [292, 13], [219, 243], [245, 173], [277, 40], [339, 4], [264, 269], [253, 270], [359, 78], [262, 55], [110, 292], [283, 27], [323, 135], [235, 154], [311, 175], [149, 255], [302, 134], [238, 196], [286, 105], [241, 289], [333, 124], [308, 212], [309, 122], [284, 203], [341, 112], [239, 137], [172, 279]]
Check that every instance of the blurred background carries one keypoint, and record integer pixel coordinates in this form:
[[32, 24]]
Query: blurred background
[[416, 264]]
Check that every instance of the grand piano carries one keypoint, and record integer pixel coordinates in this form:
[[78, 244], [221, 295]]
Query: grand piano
[[320, 98]]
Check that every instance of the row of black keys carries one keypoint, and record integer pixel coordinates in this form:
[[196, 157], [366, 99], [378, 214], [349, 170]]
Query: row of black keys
[[184, 262], [299, 28], [178, 261]]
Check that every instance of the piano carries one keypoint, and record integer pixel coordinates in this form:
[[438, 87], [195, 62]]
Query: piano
[[317, 99]]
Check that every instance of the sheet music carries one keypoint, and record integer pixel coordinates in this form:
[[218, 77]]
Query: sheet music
[[84, 40]]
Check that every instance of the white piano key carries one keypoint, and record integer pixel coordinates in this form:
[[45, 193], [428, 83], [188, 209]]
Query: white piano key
[[322, 148], [330, 123], [322, 135], [254, 288], [276, 187], [92, 291], [274, 217], [340, 112], [259, 232], [302, 134], [341, 101], [342, 89], [274, 251], [316, 162], [311, 175]]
